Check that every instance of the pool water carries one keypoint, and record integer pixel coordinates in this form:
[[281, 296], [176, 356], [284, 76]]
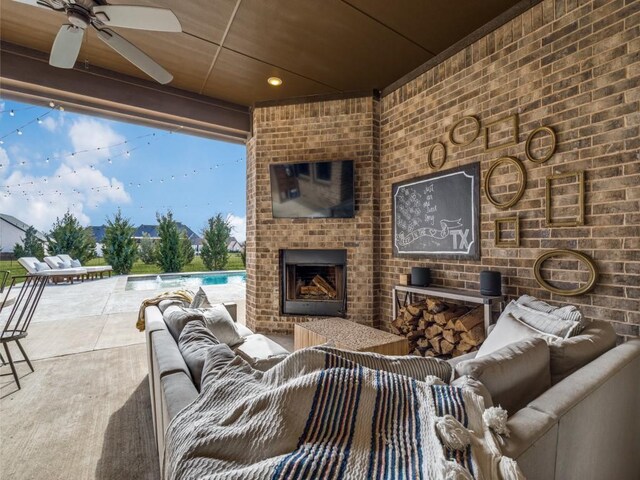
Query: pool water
[[190, 281]]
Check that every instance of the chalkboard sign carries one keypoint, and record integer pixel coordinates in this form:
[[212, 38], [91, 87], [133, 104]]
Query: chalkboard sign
[[437, 215]]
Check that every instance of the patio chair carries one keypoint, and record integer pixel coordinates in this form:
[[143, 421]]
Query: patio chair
[[92, 271], [58, 266], [20, 316]]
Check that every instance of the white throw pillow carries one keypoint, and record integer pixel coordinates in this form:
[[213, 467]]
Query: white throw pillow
[[508, 330], [200, 300], [218, 320], [76, 263], [41, 266], [569, 316]]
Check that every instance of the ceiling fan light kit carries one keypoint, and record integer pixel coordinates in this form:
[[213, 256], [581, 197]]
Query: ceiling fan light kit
[[84, 13]]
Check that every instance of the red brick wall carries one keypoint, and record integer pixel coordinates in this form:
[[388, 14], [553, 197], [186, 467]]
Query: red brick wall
[[570, 65], [331, 130]]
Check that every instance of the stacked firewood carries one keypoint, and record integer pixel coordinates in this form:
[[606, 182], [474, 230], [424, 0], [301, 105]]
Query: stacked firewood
[[436, 328]]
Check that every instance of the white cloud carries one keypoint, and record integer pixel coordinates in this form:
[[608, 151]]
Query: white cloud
[[90, 134], [238, 227], [53, 124], [74, 186]]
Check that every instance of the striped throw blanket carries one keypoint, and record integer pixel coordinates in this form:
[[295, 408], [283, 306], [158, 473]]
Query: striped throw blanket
[[325, 413]]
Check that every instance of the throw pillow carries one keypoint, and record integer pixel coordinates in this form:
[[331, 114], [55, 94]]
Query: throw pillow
[[41, 266], [573, 353], [514, 375], [177, 317], [164, 304], [76, 263], [476, 387], [218, 319], [60, 264], [562, 321], [265, 364], [200, 300], [66, 264], [568, 312], [194, 341], [216, 358], [508, 329]]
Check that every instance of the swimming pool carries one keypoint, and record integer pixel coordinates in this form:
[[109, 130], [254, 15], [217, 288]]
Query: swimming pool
[[190, 281]]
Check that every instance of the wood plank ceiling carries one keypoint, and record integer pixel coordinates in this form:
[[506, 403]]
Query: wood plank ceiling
[[228, 48]]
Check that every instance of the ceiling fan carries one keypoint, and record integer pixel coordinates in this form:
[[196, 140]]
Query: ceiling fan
[[100, 15]]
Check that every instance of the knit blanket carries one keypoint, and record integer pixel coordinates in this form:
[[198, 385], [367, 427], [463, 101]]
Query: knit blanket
[[324, 413]]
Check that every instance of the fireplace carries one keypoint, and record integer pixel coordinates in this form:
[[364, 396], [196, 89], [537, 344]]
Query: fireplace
[[313, 282]]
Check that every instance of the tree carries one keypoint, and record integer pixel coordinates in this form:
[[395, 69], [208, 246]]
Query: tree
[[215, 240], [67, 236], [120, 249], [168, 252], [186, 249], [31, 245], [147, 249], [243, 253]]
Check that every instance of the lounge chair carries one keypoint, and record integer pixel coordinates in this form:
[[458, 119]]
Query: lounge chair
[[34, 266], [92, 271], [57, 268]]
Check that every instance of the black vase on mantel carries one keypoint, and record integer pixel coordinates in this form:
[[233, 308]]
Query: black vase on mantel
[[420, 276], [490, 283]]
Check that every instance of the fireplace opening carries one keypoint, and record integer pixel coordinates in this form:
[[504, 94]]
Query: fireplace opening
[[313, 282]]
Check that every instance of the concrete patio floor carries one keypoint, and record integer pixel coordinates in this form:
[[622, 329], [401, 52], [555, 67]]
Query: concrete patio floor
[[85, 412]]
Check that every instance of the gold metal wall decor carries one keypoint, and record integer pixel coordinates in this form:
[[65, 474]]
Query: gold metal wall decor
[[475, 121], [514, 139], [430, 155], [523, 182], [497, 235], [581, 257], [552, 149], [579, 175]]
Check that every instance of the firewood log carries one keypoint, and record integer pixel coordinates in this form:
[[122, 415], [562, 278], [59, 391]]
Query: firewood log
[[415, 309], [435, 306], [424, 343], [414, 335], [435, 343], [475, 336], [464, 347], [433, 331], [450, 324], [456, 353], [323, 285], [470, 320], [446, 347], [443, 318], [451, 336]]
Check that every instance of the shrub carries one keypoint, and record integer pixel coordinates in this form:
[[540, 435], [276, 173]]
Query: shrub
[[67, 236], [120, 249], [31, 245], [243, 253], [147, 250], [168, 253], [215, 239], [186, 249]]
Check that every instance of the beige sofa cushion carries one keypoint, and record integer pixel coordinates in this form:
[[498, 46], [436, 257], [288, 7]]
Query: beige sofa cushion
[[216, 318], [573, 353], [257, 349], [508, 330], [514, 374]]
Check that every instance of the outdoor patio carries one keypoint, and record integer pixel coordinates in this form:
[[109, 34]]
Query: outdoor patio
[[84, 412]]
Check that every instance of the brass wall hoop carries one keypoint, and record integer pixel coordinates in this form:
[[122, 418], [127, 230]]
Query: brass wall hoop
[[430, 154], [514, 138], [523, 182], [552, 150], [455, 125], [581, 257], [498, 242], [547, 208]]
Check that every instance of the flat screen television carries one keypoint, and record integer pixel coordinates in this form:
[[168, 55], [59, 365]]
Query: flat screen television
[[312, 190]]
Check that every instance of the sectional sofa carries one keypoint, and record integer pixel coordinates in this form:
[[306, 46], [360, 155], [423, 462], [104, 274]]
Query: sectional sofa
[[585, 426]]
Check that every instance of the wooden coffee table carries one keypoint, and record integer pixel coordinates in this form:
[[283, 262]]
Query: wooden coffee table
[[348, 335]]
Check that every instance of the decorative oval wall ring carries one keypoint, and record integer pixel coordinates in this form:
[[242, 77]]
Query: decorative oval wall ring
[[430, 154], [455, 125], [527, 147], [581, 257], [523, 182]]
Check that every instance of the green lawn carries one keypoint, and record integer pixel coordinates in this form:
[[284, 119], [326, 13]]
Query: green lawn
[[234, 263]]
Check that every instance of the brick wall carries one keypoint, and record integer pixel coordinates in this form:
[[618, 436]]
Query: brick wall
[[570, 65], [329, 130]]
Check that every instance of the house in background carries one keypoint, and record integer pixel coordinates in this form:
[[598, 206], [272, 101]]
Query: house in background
[[12, 231], [234, 246]]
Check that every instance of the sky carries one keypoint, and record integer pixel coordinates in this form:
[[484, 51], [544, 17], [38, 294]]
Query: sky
[[63, 161]]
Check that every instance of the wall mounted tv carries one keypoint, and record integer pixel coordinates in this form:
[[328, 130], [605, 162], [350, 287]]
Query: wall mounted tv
[[312, 190]]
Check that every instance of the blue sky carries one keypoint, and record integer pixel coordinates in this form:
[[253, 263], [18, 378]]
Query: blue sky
[[43, 172]]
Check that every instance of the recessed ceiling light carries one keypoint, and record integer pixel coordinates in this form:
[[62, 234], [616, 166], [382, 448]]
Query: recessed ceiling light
[[274, 81]]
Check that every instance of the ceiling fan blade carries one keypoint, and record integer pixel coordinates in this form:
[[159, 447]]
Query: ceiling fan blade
[[66, 47], [135, 56], [33, 3], [140, 18]]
